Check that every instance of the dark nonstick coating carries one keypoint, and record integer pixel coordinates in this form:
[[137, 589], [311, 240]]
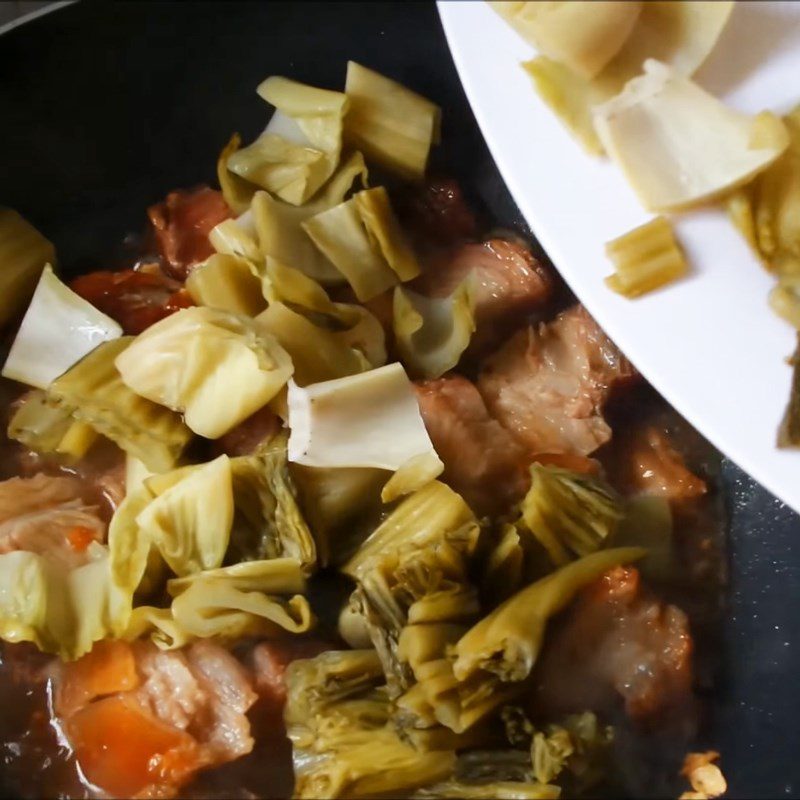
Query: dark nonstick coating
[[104, 107]]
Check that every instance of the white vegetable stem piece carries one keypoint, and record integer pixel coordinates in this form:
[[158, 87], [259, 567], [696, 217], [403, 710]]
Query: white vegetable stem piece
[[367, 420], [678, 145], [58, 330]]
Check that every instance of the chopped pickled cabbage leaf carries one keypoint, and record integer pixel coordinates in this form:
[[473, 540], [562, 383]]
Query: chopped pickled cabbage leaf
[[190, 520], [56, 591], [489, 790], [23, 255], [766, 212], [573, 752], [679, 34], [268, 521], [367, 420], [163, 517], [316, 112], [678, 145], [352, 628], [645, 259], [46, 426], [784, 299], [279, 225], [584, 36], [237, 192], [318, 354], [412, 476], [391, 125], [242, 600], [432, 333], [216, 367], [438, 696], [58, 330], [158, 624], [424, 517], [60, 611], [77, 440], [198, 518], [504, 566], [414, 570], [295, 172], [292, 172], [226, 282], [508, 641], [333, 502], [344, 745], [96, 395], [256, 598], [351, 324], [363, 239], [236, 237], [136, 473], [570, 98], [569, 513], [39, 422], [789, 431]]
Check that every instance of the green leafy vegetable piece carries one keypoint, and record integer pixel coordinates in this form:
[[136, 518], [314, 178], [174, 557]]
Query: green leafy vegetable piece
[[216, 367], [338, 718], [582, 36], [255, 598], [237, 237], [23, 255], [43, 425], [679, 34], [94, 392], [364, 241], [349, 323], [432, 333], [58, 330], [508, 641], [268, 521], [334, 501], [789, 431], [190, 517], [367, 420], [392, 125], [318, 354], [60, 611], [292, 171], [569, 513], [279, 225], [226, 282], [492, 790], [237, 192], [645, 259]]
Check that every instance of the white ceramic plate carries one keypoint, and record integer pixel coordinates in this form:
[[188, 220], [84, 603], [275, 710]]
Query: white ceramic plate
[[709, 343]]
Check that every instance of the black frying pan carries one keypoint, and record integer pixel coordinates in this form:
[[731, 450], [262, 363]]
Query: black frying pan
[[104, 107]]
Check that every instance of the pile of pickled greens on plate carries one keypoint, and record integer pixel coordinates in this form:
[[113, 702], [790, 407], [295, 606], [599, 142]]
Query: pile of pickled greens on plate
[[331, 462], [618, 75]]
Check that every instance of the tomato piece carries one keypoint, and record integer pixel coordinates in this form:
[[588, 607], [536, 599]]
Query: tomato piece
[[123, 750], [109, 667], [135, 299], [182, 222]]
